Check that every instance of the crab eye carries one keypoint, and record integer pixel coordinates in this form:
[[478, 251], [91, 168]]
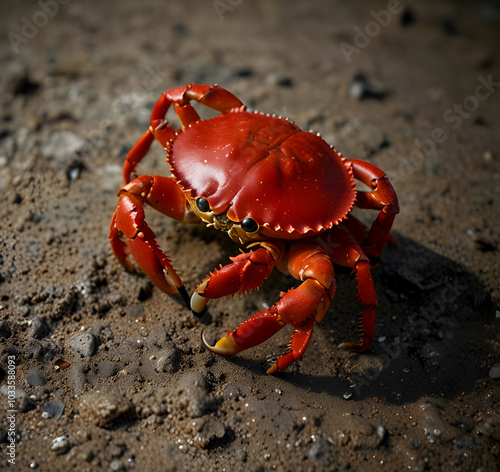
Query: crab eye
[[202, 204], [249, 225]]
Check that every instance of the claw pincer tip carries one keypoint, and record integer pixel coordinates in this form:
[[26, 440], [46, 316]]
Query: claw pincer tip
[[225, 346]]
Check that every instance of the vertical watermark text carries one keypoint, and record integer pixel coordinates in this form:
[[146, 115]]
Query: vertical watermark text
[[11, 409]]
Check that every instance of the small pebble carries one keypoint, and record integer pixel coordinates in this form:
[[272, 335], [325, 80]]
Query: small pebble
[[82, 344], [34, 378], [54, 409], [167, 360], [495, 372], [60, 445], [360, 89], [279, 78], [38, 328]]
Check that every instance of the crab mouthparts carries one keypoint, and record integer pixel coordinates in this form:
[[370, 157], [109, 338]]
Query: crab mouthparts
[[222, 222]]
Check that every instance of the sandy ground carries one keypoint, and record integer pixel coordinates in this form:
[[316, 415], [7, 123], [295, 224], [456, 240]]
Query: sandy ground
[[109, 371]]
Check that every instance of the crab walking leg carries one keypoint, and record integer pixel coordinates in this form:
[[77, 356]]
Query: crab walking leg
[[350, 254], [247, 271], [300, 307], [211, 96], [382, 197], [296, 348], [359, 230], [307, 304], [129, 221], [135, 155], [158, 129]]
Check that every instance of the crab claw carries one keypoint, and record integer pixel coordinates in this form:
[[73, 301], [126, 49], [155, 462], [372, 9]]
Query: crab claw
[[255, 330], [198, 305], [225, 346], [130, 235]]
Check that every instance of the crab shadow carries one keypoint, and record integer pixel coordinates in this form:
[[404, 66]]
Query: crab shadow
[[432, 331], [434, 327]]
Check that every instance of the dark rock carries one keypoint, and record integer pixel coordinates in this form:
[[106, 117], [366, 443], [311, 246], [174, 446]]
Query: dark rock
[[82, 344], [39, 328], [361, 89], [244, 72], [53, 409], [34, 378], [18, 81], [495, 372], [5, 331], [407, 17], [280, 78]]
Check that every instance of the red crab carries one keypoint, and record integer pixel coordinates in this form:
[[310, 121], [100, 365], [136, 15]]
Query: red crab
[[283, 192]]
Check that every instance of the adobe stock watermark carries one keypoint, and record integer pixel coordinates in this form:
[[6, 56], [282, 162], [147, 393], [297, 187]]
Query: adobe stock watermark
[[11, 411], [363, 37], [454, 116], [30, 27], [224, 6]]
